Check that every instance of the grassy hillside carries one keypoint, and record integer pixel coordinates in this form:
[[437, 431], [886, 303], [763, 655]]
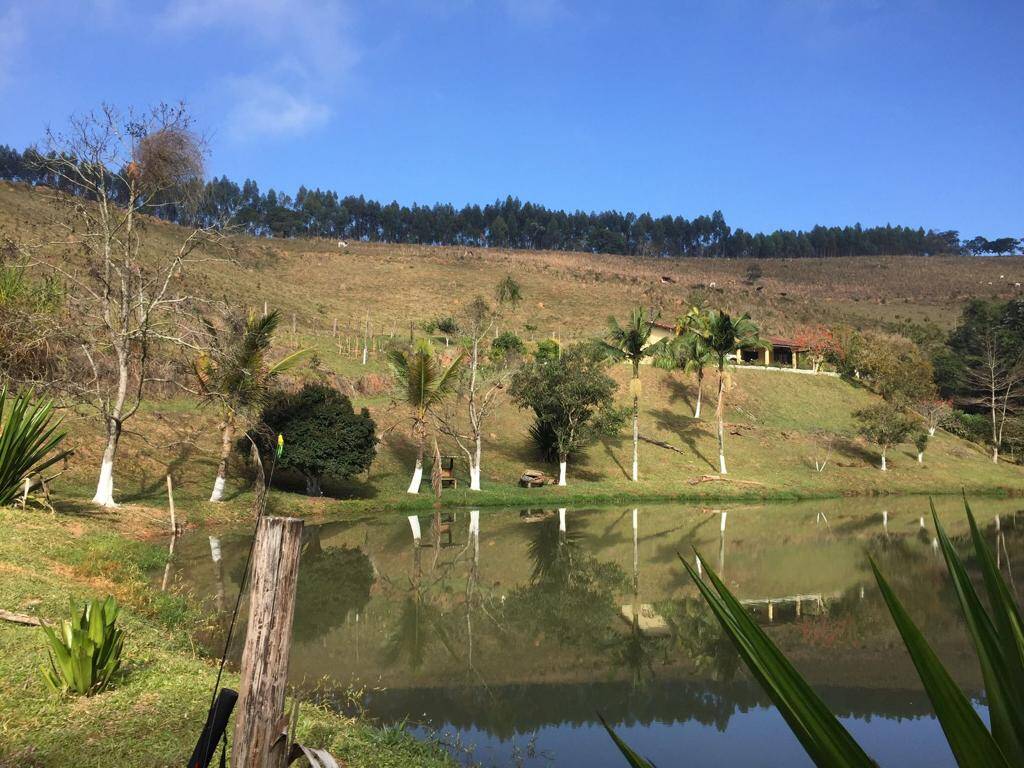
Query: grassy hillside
[[776, 420], [567, 294], [776, 425]]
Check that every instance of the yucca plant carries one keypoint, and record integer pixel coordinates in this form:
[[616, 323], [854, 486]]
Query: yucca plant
[[998, 636], [28, 435], [86, 651]]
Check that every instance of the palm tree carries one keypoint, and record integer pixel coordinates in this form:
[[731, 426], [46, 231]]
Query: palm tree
[[632, 342], [725, 336], [687, 352], [426, 383], [237, 376]]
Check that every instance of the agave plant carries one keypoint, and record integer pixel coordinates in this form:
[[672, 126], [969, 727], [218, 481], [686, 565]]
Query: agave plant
[[28, 435], [998, 635], [86, 652]]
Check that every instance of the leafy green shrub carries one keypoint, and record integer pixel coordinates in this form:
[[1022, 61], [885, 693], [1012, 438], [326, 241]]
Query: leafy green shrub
[[507, 346], [86, 653], [325, 435], [547, 350], [28, 434], [976, 427]]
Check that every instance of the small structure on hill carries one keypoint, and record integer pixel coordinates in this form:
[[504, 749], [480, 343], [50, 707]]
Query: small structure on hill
[[778, 351]]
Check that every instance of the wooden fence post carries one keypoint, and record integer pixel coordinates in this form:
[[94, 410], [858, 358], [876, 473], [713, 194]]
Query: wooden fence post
[[268, 638], [170, 504]]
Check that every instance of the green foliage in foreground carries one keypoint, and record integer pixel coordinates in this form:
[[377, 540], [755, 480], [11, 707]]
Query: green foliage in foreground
[[998, 636], [86, 652], [28, 434]]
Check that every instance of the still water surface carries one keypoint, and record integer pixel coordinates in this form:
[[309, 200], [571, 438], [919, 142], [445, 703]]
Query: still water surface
[[509, 645]]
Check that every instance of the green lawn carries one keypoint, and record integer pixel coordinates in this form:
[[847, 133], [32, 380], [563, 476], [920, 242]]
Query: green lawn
[[153, 715], [776, 424]]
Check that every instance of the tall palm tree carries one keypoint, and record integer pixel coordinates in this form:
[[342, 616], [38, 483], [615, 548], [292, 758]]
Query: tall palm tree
[[725, 336], [687, 352], [632, 342], [426, 383], [238, 378]]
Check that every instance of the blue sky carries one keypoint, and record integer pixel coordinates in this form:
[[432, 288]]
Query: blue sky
[[780, 113]]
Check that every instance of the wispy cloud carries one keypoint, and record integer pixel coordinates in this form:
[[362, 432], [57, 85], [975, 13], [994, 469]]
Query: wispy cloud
[[306, 52]]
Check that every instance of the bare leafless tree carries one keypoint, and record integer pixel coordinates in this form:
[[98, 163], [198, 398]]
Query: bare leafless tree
[[997, 377], [481, 388], [126, 297]]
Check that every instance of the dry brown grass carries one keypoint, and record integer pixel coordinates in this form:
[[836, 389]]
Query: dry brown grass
[[565, 294]]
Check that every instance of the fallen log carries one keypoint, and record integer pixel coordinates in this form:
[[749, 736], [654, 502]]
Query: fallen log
[[19, 618], [722, 479], [662, 444]]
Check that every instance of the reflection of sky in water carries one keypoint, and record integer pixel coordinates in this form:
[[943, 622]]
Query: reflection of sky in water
[[758, 737], [549, 640]]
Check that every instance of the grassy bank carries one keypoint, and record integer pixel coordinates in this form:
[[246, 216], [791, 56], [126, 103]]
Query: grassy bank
[[153, 715], [777, 424]]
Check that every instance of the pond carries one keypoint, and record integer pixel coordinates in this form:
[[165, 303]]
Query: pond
[[509, 644]]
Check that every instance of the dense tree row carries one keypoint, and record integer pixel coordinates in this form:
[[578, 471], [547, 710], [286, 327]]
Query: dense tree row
[[514, 224]]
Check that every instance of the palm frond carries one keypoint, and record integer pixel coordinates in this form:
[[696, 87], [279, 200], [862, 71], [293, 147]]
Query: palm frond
[[971, 743]]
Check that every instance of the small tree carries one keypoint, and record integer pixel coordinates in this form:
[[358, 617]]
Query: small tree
[[324, 434], [632, 343], [688, 351], [235, 375], [547, 350], [508, 292], [726, 336], [572, 398], [894, 367], [482, 385], [111, 168], [506, 348], [819, 343], [934, 411], [885, 425], [921, 442], [446, 326], [425, 383]]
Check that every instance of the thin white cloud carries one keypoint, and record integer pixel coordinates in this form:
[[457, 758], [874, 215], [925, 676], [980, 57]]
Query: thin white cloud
[[262, 108], [307, 55]]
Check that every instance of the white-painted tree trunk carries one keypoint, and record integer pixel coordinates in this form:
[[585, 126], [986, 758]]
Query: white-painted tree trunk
[[561, 472], [884, 467], [366, 353], [105, 485], [474, 465], [920, 457], [720, 416], [995, 454], [227, 434], [218, 489], [931, 431], [700, 390], [636, 437], [417, 477]]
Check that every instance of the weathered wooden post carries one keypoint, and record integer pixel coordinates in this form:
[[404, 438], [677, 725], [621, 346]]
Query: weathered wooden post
[[170, 504], [268, 639]]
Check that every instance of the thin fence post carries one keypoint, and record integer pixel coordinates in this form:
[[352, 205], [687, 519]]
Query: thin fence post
[[170, 504], [268, 638]]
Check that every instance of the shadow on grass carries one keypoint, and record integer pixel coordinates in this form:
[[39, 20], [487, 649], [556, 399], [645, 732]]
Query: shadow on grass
[[685, 428], [679, 392]]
